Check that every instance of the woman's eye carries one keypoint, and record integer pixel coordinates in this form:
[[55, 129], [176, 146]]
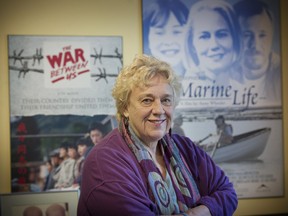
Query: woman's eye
[[222, 34], [204, 36], [147, 101], [167, 102]]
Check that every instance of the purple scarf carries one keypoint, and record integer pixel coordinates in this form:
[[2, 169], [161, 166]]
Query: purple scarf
[[178, 191]]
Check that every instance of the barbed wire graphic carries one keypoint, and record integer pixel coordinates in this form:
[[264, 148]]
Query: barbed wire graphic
[[100, 56], [25, 69], [38, 57], [18, 57], [103, 75]]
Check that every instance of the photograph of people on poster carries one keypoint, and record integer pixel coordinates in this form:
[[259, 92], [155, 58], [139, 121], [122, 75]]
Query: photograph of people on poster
[[48, 151], [60, 106], [227, 55]]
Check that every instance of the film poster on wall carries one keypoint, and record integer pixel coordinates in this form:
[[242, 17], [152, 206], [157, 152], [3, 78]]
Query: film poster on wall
[[58, 87], [227, 54]]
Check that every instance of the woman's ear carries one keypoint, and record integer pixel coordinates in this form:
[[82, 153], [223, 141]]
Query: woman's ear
[[125, 113]]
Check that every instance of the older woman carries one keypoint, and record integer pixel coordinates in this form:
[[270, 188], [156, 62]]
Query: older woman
[[213, 41], [141, 168]]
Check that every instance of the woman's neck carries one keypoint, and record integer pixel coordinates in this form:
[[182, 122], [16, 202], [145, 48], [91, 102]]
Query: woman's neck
[[153, 149], [157, 156]]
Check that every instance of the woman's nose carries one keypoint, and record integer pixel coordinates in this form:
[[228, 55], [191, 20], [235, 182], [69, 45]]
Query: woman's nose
[[158, 107], [213, 43]]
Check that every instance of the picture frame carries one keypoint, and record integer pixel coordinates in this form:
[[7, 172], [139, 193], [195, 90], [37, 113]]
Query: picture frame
[[14, 204]]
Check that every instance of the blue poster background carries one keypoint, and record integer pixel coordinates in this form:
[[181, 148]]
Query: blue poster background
[[227, 55]]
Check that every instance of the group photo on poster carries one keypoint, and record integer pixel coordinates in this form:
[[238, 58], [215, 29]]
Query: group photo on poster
[[227, 55], [60, 106], [48, 151]]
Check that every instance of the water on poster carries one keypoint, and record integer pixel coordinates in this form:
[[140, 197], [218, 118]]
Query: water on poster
[[251, 178]]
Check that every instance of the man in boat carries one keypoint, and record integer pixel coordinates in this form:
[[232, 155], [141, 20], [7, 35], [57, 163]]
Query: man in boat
[[224, 130], [177, 123]]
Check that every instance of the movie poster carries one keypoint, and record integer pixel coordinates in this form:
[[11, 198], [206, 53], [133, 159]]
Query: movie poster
[[227, 55], [58, 87]]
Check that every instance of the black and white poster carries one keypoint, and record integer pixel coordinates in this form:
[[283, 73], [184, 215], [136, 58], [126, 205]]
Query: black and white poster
[[227, 55]]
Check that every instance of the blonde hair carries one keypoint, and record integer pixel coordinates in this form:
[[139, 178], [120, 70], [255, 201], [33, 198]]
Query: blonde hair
[[138, 74], [225, 10]]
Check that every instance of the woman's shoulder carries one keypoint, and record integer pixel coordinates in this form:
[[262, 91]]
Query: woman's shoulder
[[111, 161], [182, 139], [184, 143], [111, 153], [113, 142], [189, 148], [112, 138]]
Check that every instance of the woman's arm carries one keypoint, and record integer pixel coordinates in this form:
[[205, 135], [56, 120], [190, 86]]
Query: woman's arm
[[217, 192]]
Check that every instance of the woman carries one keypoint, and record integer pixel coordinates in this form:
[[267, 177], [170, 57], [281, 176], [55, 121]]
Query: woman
[[213, 40], [141, 168], [163, 31]]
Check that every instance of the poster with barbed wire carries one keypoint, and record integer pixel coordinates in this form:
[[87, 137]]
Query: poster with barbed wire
[[63, 75], [59, 87]]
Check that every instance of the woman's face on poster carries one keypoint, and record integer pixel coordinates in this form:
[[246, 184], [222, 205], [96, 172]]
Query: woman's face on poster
[[167, 42], [212, 41]]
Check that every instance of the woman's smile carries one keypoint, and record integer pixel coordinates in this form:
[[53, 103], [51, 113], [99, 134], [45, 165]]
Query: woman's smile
[[157, 122]]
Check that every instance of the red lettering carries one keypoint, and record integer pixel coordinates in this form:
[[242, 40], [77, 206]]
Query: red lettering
[[21, 149], [22, 180], [54, 73], [71, 76], [22, 171], [21, 138], [55, 59], [67, 48], [79, 53], [68, 58], [22, 128], [22, 159]]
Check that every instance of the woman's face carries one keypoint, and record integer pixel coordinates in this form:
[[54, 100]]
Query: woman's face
[[150, 110], [167, 42], [212, 41]]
